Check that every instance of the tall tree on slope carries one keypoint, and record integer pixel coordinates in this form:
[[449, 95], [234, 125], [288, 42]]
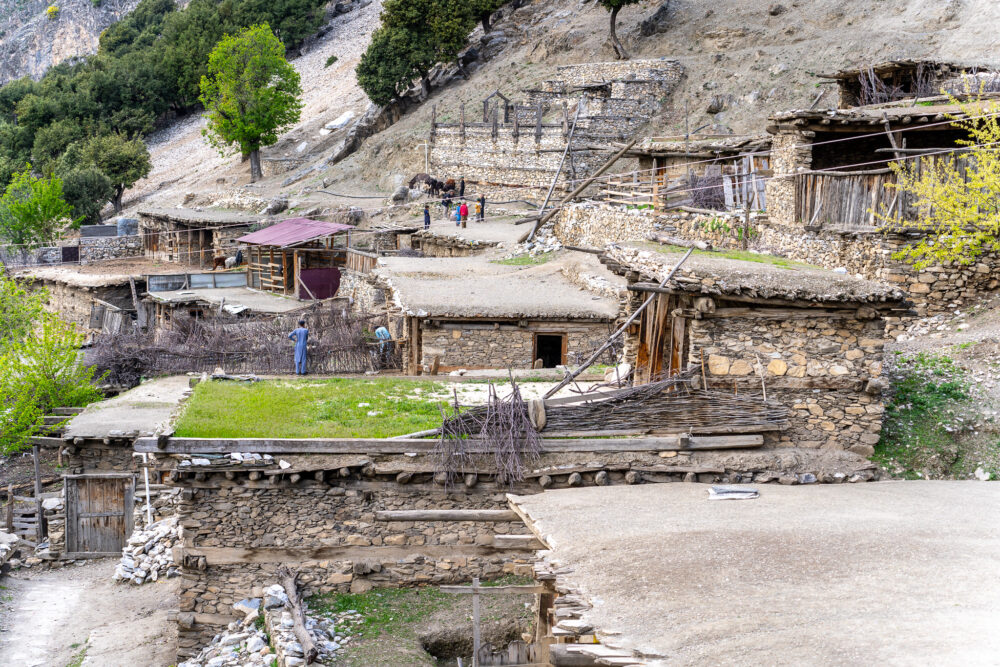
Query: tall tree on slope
[[251, 93], [615, 6]]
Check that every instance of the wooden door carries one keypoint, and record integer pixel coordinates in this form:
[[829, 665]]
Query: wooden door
[[98, 513]]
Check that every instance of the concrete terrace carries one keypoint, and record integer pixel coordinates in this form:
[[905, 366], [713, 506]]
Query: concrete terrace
[[888, 573]]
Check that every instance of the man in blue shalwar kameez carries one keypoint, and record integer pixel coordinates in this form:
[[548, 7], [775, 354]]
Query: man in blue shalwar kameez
[[300, 336]]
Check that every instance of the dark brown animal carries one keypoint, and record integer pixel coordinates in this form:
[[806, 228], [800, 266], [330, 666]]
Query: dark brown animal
[[217, 262]]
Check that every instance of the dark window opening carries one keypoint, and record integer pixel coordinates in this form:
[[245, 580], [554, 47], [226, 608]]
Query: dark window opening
[[549, 349], [860, 154]]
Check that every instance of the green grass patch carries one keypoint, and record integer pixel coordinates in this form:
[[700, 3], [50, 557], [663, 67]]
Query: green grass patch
[[741, 255], [384, 610], [78, 657], [525, 260], [923, 416], [329, 408]]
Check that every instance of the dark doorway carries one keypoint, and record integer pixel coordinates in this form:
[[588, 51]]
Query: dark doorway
[[549, 348], [71, 254]]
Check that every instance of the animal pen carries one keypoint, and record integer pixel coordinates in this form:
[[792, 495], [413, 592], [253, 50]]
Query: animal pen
[[298, 257]]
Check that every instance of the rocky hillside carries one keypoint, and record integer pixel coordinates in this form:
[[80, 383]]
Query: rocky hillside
[[743, 62], [32, 39]]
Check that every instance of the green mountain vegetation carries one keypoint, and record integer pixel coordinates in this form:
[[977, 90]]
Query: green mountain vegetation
[[148, 69]]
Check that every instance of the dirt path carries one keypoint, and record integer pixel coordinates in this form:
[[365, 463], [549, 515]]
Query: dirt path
[[48, 618]]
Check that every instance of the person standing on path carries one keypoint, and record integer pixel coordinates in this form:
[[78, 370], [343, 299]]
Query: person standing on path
[[427, 217], [461, 187], [300, 336], [482, 208], [463, 210]]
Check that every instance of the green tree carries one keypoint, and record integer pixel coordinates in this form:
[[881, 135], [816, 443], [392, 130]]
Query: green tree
[[87, 190], [251, 93], [615, 6], [415, 35], [124, 161], [33, 211], [957, 197]]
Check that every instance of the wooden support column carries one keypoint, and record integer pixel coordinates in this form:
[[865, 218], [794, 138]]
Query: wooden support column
[[39, 532], [201, 250], [495, 130], [295, 268], [284, 271]]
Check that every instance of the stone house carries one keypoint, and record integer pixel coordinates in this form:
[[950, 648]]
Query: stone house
[[453, 313], [193, 237], [810, 338]]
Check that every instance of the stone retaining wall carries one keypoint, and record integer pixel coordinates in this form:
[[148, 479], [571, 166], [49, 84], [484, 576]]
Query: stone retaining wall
[[933, 290], [110, 247], [298, 518]]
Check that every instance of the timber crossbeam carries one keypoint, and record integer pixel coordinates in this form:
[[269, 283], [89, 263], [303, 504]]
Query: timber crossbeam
[[407, 446]]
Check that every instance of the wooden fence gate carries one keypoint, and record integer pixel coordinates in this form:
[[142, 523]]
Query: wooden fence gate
[[99, 511]]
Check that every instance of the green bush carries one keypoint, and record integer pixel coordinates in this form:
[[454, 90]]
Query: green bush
[[330, 61], [52, 12]]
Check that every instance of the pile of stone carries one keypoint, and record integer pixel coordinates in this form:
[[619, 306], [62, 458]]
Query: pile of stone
[[148, 555], [544, 242], [265, 636], [7, 544]]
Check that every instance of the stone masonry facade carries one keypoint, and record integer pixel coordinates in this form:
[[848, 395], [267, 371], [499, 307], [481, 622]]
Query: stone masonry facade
[[481, 345]]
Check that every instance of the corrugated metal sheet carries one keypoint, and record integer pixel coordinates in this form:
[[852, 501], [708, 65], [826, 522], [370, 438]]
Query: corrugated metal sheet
[[293, 230]]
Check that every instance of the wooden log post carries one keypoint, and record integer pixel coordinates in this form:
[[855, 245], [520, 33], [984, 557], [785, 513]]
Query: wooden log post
[[538, 123], [475, 622], [288, 581], [9, 522], [434, 116], [39, 530], [461, 125]]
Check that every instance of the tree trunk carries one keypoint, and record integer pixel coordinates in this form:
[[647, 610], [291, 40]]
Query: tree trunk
[[117, 201], [620, 52], [425, 86], [255, 172], [485, 18], [290, 584]]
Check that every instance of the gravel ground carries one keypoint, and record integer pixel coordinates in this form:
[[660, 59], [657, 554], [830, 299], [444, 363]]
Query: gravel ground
[[48, 617], [894, 573]]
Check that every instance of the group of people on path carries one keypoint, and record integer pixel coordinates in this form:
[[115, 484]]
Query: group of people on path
[[457, 211]]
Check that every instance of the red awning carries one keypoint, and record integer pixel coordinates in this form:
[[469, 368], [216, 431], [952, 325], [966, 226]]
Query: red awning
[[293, 231]]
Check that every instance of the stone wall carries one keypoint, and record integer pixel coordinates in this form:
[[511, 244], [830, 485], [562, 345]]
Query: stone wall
[[584, 73], [110, 247], [790, 151], [295, 519], [597, 225], [73, 303], [361, 287], [481, 345], [933, 290]]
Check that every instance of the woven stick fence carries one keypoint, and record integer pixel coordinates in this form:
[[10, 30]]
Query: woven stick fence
[[337, 344]]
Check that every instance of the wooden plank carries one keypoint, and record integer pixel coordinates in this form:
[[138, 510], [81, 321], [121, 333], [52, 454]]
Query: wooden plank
[[447, 515], [496, 590], [522, 542], [236, 555], [388, 446]]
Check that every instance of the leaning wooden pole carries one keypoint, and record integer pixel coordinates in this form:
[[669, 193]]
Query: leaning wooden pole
[[583, 186], [39, 529], [638, 311], [288, 581], [555, 178]]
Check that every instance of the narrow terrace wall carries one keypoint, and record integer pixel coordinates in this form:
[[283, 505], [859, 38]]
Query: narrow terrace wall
[[933, 290], [235, 535], [481, 345]]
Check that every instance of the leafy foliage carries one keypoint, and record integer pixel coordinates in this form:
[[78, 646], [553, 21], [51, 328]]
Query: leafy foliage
[[33, 211], [86, 190], [149, 65], [40, 356], [251, 93], [957, 200], [123, 161], [413, 37]]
